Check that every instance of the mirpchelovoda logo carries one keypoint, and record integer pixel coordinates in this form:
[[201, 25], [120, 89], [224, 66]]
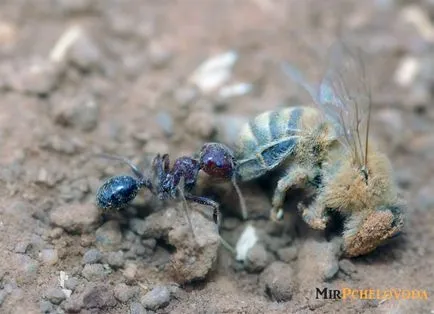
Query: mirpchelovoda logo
[[371, 294]]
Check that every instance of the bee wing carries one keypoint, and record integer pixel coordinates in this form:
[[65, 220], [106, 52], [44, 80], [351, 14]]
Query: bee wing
[[344, 97], [295, 74]]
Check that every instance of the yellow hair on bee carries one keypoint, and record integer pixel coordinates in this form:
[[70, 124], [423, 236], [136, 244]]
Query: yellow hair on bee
[[346, 187]]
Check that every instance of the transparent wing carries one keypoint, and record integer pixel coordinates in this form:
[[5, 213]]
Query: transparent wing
[[345, 98], [295, 74]]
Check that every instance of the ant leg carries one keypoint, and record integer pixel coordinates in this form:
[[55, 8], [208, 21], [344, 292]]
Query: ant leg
[[185, 206], [157, 165], [160, 167], [166, 163], [206, 201], [293, 178]]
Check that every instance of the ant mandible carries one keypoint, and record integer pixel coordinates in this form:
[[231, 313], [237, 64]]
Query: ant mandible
[[215, 159]]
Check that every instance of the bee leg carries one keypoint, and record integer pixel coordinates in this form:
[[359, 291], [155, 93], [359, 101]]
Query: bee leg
[[294, 177], [313, 215]]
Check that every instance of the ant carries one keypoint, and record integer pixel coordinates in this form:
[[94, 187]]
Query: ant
[[215, 159]]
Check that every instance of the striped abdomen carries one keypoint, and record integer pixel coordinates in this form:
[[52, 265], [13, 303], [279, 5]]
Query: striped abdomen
[[270, 138]]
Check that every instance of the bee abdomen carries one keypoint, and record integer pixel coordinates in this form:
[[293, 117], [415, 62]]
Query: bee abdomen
[[267, 128], [267, 140]]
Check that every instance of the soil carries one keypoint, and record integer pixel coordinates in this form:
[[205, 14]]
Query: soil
[[121, 86]]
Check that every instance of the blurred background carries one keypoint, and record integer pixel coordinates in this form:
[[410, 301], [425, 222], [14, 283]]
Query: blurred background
[[130, 77]]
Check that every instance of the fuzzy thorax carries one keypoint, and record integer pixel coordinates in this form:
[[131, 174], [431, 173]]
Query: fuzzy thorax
[[347, 189], [314, 146]]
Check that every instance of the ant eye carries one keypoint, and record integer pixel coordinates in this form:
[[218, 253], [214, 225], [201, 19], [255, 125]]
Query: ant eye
[[217, 160]]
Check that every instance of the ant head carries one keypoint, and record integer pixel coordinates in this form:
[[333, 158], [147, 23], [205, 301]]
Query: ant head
[[217, 160]]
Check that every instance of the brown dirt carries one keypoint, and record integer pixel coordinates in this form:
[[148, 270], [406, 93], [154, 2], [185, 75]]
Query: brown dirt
[[105, 95]]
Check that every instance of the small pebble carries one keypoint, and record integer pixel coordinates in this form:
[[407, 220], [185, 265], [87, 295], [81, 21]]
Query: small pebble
[[8, 33], [319, 260], [288, 254], [137, 308], [130, 236], [71, 283], [115, 259], [154, 145], [347, 266], [228, 127], [46, 306], [91, 256], [85, 53], [87, 240], [138, 249], [130, 271], [149, 243], [36, 76], [49, 256], [257, 258], [137, 225], [55, 295], [124, 293], [158, 56], [165, 121], [73, 304], [277, 281], [63, 145], [404, 177], [28, 268], [3, 294], [75, 217], [93, 272], [425, 197], [185, 96], [230, 223], [80, 112], [98, 296], [201, 123], [21, 247], [109, 236], [156, 298], [76, 6], [422, 145], [56, 233]]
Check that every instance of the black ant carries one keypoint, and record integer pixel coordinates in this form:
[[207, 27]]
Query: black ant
[[177, 182]]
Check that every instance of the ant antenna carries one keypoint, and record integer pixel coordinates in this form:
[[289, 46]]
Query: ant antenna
[[185, 206], [126, 161], [243, 205]]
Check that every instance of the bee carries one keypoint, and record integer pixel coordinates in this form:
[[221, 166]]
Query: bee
[[326, 149]]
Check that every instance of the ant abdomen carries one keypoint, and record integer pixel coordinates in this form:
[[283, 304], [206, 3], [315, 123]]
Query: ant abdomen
[[117, 192]]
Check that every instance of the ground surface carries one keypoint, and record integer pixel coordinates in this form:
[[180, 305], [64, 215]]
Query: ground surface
[[121, 87]]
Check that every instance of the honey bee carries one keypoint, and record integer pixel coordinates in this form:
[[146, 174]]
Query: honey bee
[[326, 148]]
